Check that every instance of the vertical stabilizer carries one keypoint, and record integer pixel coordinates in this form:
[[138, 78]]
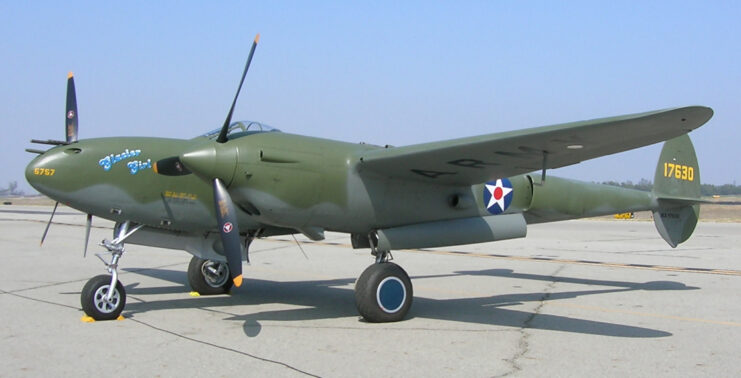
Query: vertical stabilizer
[[677, 191]]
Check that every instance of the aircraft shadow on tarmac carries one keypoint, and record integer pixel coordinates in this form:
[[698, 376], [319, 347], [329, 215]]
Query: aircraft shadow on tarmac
[[329, 299]]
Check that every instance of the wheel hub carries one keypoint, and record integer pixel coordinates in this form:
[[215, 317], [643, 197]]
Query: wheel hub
[[215, 273], [391, 294], [102, 303]]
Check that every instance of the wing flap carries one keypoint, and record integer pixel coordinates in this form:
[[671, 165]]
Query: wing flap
[[472, 160]]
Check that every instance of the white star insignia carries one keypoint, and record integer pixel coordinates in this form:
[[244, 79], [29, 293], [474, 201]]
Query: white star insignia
[[498, 192]]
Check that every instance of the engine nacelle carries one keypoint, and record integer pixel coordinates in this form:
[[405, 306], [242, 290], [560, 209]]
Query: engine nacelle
[[453, 232]]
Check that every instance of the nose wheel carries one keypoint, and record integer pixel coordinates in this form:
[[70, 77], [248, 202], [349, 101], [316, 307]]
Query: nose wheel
[[99, 301]]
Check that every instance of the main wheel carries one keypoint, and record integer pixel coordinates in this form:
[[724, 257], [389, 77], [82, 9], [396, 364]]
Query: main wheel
[[94, 294], [209, 277], [383, 293]]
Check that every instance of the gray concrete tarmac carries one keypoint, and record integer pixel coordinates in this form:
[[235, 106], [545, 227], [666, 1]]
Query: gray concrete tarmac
[[577, 298]]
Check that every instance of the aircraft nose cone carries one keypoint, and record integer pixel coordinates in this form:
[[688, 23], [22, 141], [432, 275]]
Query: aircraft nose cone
[[43, 171], [212, 161]]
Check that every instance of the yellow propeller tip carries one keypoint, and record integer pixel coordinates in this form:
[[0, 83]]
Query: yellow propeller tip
[[238, 281], [70, 75], [257, 38]]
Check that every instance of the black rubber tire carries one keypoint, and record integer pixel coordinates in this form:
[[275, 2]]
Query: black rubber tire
[[94, 291], [199, 283], [368, 298]]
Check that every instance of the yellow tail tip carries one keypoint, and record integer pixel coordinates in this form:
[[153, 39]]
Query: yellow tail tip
[[70, 74], [257, 38], [238, 281]]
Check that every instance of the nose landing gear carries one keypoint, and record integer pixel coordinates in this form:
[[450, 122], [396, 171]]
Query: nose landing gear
[[104, 297]]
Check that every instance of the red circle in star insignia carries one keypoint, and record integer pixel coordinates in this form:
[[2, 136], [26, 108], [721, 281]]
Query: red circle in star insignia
[[498, 193], [228, 227]]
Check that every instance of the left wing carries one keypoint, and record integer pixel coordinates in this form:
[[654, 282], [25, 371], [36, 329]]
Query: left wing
[[474, 160]]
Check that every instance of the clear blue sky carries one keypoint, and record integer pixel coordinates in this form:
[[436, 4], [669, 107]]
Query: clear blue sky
[[382, 72]]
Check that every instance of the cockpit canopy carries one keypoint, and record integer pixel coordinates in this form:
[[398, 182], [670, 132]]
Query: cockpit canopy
[[240, 129]]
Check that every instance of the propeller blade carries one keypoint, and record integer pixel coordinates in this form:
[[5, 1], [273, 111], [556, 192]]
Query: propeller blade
[[49, 224], [71, 113], [229, 230], [88, 224], [171, 166], [225, 128]]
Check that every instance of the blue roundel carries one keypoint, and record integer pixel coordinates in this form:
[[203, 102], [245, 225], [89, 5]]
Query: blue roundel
[[498, 195], [391, 294]]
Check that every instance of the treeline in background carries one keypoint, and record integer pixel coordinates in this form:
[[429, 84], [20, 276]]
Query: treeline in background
[[706, 189]]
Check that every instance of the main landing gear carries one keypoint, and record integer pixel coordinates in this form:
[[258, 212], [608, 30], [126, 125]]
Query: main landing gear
[[209, 277], [103, 297], [383, 292]]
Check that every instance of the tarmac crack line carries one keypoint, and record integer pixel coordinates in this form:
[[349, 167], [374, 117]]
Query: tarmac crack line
[[523, 345], [125, 271], [171, 333], [263, 359], [37, 300]]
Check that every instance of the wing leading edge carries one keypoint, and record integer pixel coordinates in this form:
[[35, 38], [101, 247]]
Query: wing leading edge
[[473, 160]]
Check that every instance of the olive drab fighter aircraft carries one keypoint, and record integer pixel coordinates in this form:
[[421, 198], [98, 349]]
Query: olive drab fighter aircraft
[[212, 195]]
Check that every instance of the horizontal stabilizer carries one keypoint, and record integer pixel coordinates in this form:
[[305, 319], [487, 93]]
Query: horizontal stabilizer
[[681, 201]]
